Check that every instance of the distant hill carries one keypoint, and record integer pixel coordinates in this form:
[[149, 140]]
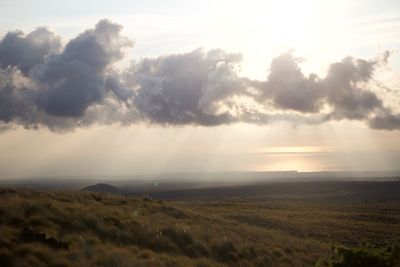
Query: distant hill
[[103, 188]]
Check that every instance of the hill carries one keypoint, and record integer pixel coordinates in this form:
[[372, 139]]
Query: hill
[[103, 188], [56, 228]]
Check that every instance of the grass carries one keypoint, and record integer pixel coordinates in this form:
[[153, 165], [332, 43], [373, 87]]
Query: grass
[[109, 230], [366, 256]]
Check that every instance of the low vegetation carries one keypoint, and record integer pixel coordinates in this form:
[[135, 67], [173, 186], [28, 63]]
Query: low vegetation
[[366, 256], [54, 228]]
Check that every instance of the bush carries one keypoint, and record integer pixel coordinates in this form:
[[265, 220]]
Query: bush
[[225, 252], [365, 256], [6, 257]]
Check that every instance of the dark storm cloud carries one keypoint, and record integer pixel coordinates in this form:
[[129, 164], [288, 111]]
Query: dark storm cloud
[[25, 52], [287, 88], [60, 86], [16, 100], [43, 84], [75, 79], [185, 88], [343, 91]]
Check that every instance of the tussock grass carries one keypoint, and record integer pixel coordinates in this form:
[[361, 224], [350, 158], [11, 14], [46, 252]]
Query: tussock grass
[[110, 230]]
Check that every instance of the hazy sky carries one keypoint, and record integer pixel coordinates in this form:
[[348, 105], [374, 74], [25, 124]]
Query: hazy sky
[[294, 85]]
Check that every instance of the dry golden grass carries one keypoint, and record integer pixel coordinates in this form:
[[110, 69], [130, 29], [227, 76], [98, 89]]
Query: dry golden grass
[[108, 230]]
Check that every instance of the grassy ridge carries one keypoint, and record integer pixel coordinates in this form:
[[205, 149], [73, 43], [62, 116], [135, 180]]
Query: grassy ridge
[[107, 230]]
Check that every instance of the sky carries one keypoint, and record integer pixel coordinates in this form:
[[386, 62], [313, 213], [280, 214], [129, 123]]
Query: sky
[[129, 87]]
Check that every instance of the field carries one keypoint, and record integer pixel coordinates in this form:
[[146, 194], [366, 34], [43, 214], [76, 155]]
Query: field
[[59, 228]]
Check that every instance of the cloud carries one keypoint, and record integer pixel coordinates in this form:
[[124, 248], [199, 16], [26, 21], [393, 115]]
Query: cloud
[[344, 89], [16, 100], [25, 52], [185, 88], [385, 120], [62, 85], [45, 84], [75, 79], [287, 88]]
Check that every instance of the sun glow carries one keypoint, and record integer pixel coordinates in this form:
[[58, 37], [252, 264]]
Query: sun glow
[[293, 149], [266, 28]]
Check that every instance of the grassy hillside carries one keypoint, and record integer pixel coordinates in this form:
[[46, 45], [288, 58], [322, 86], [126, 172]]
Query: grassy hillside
[[44, 228]]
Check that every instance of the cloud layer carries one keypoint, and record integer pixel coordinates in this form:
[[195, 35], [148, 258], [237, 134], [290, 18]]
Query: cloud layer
[[46, 84]]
